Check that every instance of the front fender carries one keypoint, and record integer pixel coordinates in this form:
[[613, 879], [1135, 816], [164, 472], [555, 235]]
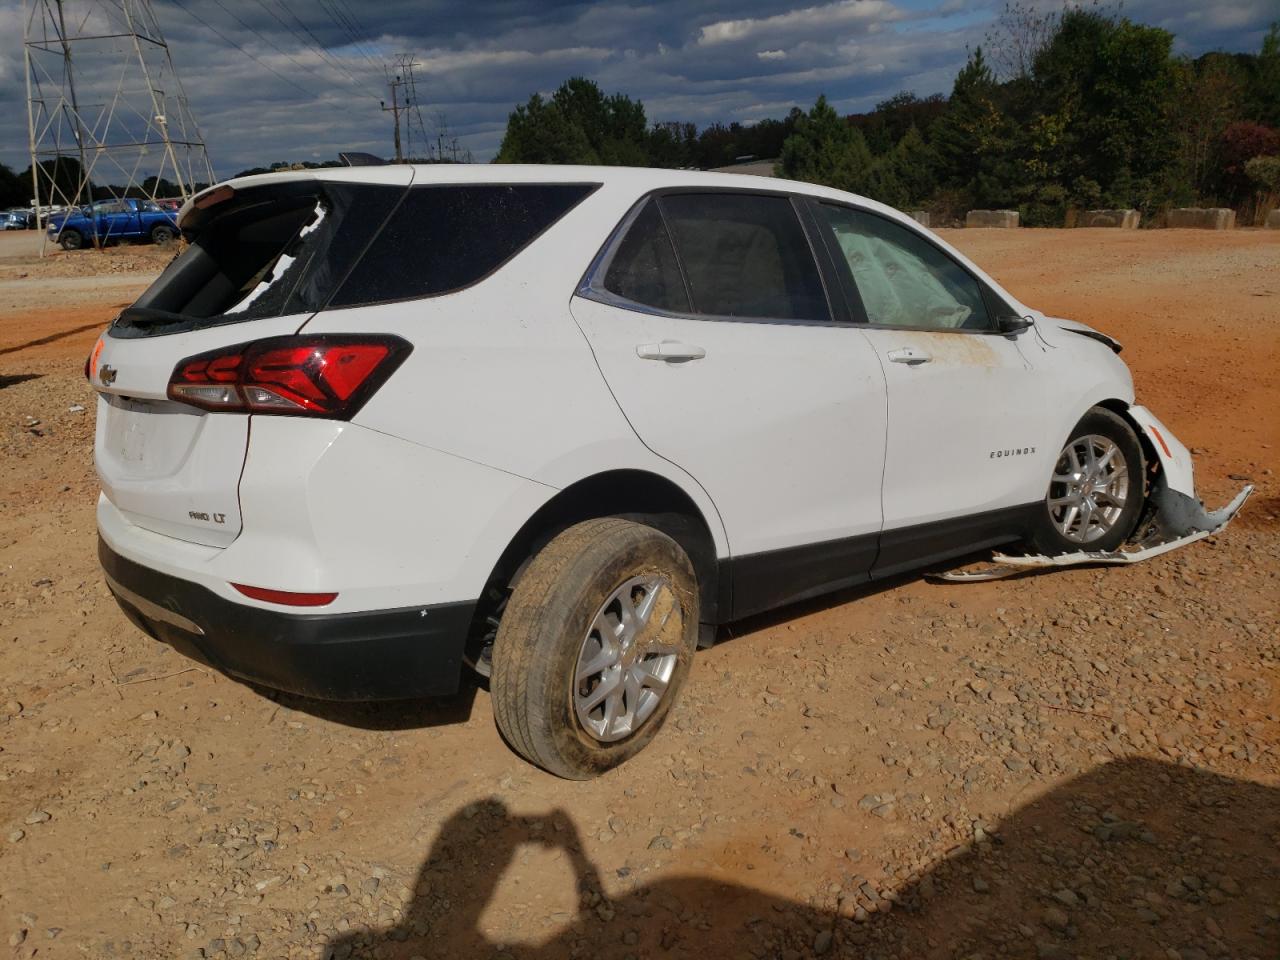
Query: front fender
[[1174, 458]]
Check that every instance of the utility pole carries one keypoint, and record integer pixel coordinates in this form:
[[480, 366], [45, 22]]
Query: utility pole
[[395, 86], [400, 74]]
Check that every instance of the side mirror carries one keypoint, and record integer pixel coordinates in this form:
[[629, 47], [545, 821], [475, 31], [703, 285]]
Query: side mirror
[[1011, 325]]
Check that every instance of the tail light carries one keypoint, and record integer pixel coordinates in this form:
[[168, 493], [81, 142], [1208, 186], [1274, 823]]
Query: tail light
[[302, 376]]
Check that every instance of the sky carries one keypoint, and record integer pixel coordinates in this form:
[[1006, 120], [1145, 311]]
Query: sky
[[271, 80]]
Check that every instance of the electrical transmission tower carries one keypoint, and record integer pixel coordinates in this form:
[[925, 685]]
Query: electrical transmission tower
[[400, 78], [106, 112]]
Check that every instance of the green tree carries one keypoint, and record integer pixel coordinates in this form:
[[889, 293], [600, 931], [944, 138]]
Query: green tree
[[1111, 88], [1208, 100], [974, 139], [579, 124], [1262, 95], [65, 175], [14, 191], [673, 145], [539, 132], [825, 149], [915, 164]]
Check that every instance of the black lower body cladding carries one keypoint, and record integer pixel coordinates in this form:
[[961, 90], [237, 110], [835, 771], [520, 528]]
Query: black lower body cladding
[[380, 655]]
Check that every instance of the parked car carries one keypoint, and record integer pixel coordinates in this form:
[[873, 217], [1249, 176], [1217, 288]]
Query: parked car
[[13, 220], [111, 220], [558, 423]]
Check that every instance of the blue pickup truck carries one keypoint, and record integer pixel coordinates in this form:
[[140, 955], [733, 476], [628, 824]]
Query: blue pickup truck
[[112, 220]]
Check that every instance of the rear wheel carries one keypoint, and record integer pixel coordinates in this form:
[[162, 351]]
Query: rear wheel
[[593, 647], [163, 233], [1097, 489]]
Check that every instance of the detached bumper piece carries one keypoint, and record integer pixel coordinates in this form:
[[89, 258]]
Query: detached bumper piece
[[1179, 520], [382, 655]]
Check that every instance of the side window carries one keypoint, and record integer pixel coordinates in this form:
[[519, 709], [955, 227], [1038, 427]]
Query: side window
[[643, 269], [903, 279], [745, 255], [443, 238]]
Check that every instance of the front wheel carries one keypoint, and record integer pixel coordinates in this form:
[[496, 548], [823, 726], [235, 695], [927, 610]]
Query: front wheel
[[1097, 489], [593, 647], [71, 240]]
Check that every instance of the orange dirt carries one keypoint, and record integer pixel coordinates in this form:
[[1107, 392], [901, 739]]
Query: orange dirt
[[1079, 764]]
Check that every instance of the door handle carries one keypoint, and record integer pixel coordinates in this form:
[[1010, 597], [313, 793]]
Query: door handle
[[909, 355], [670, 351]]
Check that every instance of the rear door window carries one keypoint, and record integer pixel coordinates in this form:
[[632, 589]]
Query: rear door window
[[443, 238], [745, 255], [643, 268]]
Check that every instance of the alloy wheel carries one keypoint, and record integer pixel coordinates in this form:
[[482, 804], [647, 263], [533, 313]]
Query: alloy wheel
[[627, 658], [1089, 488]]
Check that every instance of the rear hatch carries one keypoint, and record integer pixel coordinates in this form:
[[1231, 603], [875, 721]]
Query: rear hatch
[[263, 258]]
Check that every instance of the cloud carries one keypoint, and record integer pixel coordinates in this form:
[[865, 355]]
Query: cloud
[[272, 87], [825, 18]]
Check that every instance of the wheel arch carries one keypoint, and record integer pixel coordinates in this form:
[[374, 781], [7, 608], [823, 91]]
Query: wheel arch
[[1121, 408], [633, 493]]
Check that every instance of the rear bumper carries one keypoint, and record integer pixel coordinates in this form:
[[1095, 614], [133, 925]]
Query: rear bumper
[[380, 655]]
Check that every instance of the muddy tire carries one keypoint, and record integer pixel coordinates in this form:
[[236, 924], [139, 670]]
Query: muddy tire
[[593, 647], [162, 234], [1097, 491]]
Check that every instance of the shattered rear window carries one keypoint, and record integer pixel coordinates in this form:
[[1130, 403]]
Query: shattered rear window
[[269, 252]]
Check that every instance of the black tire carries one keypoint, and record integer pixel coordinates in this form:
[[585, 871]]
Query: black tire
[[162, 234], [546, 623], [71, 240], [1045, 536]]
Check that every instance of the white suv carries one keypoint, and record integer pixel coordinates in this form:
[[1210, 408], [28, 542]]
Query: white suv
[[557, 423]]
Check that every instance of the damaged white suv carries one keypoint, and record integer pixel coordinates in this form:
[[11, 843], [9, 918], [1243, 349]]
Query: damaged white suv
[[557, 423]]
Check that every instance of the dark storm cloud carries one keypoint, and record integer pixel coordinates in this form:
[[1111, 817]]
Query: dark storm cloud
[[304, 93]]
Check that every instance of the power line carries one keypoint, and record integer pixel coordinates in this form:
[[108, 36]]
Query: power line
[[354, 81], [346, 27], [200, 20], [360, 27], [319, 45]]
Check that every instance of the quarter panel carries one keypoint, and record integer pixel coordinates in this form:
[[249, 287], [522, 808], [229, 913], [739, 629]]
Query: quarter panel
[[386, 522]]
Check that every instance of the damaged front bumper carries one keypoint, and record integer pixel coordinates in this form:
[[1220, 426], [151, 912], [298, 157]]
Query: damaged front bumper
[[1178, 517]]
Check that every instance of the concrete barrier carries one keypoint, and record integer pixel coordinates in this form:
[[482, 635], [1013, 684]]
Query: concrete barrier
[[1202, 218], [991, 218], [1273, 220], [921, 217], [1123, 219]]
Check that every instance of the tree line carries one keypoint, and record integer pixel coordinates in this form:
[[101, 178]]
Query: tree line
[[1054, 113]]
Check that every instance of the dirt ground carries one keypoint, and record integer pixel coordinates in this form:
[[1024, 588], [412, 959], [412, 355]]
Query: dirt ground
[[1084, 764]]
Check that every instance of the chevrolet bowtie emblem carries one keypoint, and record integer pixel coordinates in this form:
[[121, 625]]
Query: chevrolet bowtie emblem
[[107, 374]]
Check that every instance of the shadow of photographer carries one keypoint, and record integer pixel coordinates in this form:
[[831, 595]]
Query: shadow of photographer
[[1134, 859]]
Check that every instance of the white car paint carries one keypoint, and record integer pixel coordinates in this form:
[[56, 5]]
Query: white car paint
[[782, 435]]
